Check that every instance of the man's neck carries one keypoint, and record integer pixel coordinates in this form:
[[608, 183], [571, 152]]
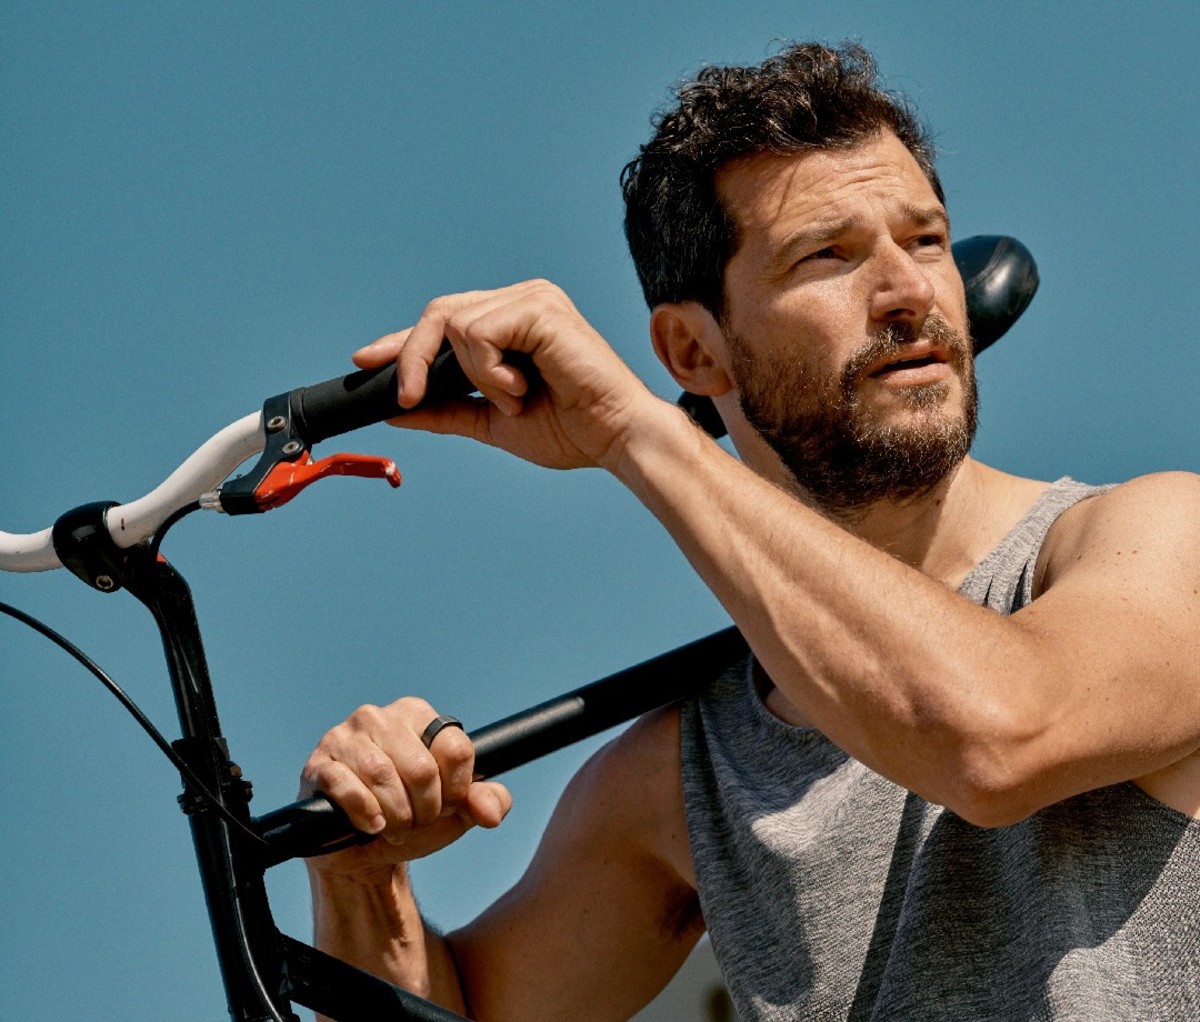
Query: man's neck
[[949, 529], [943, 533]]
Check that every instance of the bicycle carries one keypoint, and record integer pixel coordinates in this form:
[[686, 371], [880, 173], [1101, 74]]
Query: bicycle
[[111, 547]]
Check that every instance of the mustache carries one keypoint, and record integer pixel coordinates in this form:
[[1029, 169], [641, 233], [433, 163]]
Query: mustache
[[895, 336]]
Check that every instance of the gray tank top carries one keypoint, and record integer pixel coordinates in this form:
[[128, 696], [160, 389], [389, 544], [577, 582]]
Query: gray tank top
[[831, 893]]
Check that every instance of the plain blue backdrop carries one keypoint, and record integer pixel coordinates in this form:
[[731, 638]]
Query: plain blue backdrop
[[206, 204]]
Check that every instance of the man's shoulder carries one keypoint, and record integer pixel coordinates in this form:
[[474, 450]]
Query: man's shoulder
[[1155, 486], [1168, 500], [640, 765], [629, 794], [1154, 517]]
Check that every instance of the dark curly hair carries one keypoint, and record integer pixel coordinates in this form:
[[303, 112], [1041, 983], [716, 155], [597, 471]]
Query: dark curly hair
[[806, 97]]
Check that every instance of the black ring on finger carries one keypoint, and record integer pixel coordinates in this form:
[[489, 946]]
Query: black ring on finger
[[435, 728]]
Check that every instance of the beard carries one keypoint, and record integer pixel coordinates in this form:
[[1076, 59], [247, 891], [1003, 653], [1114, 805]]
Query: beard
[[841, 457]]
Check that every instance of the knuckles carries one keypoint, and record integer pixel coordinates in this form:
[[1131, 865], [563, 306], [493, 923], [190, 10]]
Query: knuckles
[[454, 747], [411, 711], [546, 289], [419, 712], [549, 297], [359, 738], [422, 772], [377, 769], [439, 308], [365, 718], [459, 313], [380, 746], [321, 773]]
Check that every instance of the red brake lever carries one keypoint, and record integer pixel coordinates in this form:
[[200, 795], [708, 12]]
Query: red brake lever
[[288, 478]]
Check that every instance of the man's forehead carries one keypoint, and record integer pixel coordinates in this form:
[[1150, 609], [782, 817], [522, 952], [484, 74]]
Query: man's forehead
[[772, 192]]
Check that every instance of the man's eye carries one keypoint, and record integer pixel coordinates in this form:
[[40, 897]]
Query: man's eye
[[931, 241], [824, 253]]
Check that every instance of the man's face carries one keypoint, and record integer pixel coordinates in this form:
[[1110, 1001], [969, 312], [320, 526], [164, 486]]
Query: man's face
[[846, 323]]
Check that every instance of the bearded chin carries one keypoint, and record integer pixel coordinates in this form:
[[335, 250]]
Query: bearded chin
[[841, 460]]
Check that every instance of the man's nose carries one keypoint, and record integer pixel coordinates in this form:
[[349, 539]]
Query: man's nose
[[902, 290]]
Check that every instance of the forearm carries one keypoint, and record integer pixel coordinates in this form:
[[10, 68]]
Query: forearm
[[863, 633], [378, 928]]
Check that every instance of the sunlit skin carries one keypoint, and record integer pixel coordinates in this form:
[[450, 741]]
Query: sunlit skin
[[832, 247]]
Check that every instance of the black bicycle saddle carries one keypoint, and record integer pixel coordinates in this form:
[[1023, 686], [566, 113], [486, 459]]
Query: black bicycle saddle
[[1000, 279]]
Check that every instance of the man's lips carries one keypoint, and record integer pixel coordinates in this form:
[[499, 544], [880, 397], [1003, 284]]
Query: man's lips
[[912, 360]]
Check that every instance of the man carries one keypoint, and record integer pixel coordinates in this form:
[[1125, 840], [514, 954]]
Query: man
[[960, 777]]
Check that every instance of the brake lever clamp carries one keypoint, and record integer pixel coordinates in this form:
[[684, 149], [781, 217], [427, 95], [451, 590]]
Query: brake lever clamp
[[286, 466]]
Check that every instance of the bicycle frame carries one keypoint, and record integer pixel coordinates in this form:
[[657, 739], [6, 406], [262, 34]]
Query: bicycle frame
[[258, 964]]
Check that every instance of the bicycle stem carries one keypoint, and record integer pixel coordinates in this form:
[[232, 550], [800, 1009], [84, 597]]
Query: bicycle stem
[[244, 933]]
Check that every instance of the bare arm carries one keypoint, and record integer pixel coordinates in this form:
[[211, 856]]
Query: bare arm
[[607, 895], [417, 800], [606, 912], [376, 926]]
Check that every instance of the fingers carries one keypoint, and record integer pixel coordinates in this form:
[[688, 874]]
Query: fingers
[[480, 326], [376, 767], [483, 362], [412, 360], [380, 352], [341, 786]]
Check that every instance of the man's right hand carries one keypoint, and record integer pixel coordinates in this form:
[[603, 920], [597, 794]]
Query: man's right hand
[[416, 799], [578, 410]]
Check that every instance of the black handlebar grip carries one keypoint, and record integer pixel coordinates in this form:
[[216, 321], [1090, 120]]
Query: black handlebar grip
[[349, 402]]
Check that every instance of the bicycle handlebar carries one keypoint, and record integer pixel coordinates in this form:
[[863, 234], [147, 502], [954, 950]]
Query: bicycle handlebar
[[319, 411], [130, 524], [368, 396], [999, 277]]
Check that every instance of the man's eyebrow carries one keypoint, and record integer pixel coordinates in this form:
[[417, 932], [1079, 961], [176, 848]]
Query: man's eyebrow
[[813, 235], [823, 231], [927, 216], [827, 230]]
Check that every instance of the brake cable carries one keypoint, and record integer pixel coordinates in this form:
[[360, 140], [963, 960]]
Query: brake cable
[[136, 712]]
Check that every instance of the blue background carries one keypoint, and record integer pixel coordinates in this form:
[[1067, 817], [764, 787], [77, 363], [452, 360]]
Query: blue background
[[206, 204]]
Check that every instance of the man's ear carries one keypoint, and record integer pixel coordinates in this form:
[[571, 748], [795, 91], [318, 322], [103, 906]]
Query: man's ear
[[689, 342]]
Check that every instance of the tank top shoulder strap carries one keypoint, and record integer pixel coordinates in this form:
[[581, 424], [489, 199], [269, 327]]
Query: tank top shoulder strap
[[1003, 580]]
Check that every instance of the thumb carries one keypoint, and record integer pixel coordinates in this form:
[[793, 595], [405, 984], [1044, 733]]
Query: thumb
[[488, 802]]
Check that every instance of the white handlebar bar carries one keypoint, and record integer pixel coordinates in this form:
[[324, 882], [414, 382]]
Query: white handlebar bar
[[129, 524]]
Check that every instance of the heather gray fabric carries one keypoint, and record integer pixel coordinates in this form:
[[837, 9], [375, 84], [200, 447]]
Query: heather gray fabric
[[832, 894]]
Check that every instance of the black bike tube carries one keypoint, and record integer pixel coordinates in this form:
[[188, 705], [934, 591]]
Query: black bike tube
[[245, 937], [346, 994]]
